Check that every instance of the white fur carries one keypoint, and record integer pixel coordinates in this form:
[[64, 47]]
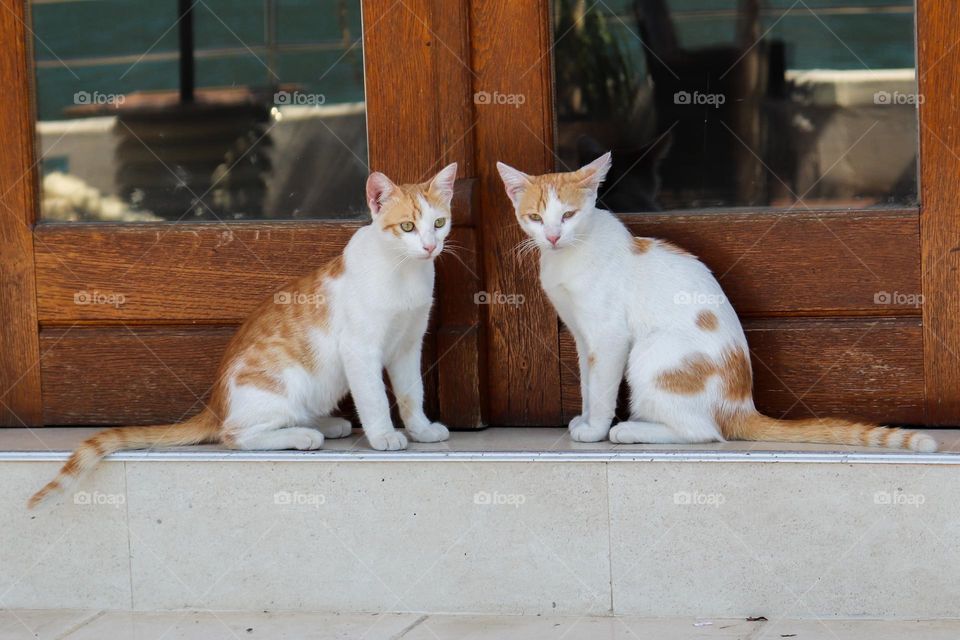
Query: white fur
[[377, 316], [628, 311]]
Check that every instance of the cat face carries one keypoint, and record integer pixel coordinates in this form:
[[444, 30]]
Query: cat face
[[414, 218], [552, 207]]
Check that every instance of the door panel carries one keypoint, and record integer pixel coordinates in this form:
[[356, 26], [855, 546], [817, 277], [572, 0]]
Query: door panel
[[132, 374], [814, 264], [134, 316], [192, 272], [830, 290]]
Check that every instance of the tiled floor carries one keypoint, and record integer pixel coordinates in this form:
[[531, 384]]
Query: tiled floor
[[210, 625]]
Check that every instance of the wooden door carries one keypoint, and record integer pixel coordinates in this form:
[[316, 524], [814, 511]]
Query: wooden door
[[828, 292], [124, 322], [850, 303]]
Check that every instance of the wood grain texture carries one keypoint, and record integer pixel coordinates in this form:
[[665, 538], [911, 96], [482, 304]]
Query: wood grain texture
[[419, 104], [174, 272], [128, 375], [20, 392], [939, 78], [203, 272], [460, 367], [871, 368], [822, 264], [511, 55], [132, 375], [398, 67]]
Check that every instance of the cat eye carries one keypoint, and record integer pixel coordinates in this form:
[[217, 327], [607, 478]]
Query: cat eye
[[569, 214], [440, 222], [535, 217], [407, 226]]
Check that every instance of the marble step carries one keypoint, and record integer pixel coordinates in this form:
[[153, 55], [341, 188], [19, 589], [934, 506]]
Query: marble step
[[499, 522]]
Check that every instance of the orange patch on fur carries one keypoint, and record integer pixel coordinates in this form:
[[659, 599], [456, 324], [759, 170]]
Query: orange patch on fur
[[642, 245], [404, 205], [591, 360], [672, 248], [569, 187], [71, 467], [736, 374], [692, 376], [274, 337], [335, 267], [707, 320]]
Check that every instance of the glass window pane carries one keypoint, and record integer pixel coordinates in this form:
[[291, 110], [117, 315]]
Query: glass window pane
[[740, 103], [275, 127]]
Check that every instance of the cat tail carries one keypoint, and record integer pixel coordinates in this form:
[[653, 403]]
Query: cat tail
[[752, 425], [204, 427]]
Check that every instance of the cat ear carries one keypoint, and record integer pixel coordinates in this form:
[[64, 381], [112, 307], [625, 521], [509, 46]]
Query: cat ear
[[379, 188], [442, 183], [592, 175], [515, 182]]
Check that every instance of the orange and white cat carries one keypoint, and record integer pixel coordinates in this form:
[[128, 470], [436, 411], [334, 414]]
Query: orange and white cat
[[652, 310], [330, 332]]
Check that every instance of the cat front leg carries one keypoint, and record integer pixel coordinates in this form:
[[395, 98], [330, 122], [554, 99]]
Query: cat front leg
[[405, 376], [584, 362], [606, 360], [364, 368]]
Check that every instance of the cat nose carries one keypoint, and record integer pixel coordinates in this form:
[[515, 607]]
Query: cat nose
[[553, 239], [430, 247]]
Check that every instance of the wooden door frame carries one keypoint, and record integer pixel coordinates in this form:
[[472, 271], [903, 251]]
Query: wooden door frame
[[535, 380], [185, 315], [20, 399], [937, 68]]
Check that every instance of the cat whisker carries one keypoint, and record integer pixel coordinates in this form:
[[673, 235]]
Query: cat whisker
[[460, 260]]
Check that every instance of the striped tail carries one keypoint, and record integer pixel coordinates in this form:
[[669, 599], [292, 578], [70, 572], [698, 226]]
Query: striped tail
[[756, 426], [201, 428]]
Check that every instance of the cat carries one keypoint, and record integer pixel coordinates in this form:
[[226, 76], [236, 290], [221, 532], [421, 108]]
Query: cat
[[649, 309], [329, 332]]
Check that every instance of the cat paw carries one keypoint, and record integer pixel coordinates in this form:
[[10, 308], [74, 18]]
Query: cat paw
[[389, 441], [433, 432], [307, 440], [334, 427], [583, 432], [576, 422]]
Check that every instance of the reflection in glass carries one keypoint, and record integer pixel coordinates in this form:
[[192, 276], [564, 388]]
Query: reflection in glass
[[740, 103], [210, 110]]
